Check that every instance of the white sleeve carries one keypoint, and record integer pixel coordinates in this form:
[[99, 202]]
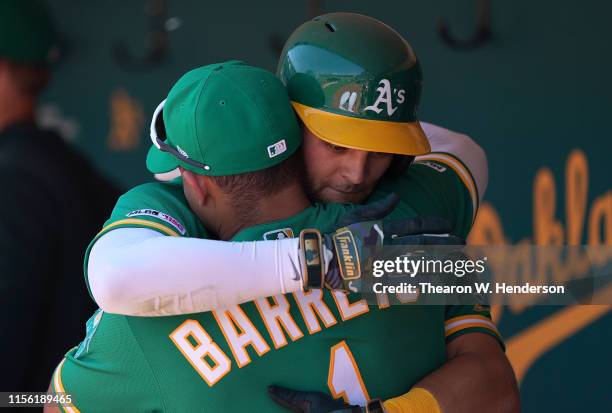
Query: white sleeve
[[463, 148], [140, 272]]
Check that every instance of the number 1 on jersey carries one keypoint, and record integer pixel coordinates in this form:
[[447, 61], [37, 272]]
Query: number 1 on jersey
[[344, 379]]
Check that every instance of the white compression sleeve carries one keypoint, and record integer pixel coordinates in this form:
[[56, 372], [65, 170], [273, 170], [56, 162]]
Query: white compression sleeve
[[464, 148], [138, 271]]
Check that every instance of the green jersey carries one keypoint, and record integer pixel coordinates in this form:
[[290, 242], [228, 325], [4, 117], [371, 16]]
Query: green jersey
[[222, 361]]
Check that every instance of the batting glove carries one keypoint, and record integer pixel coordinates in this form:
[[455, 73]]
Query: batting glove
[[338, 260]]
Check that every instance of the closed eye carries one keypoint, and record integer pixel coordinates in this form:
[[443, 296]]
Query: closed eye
[[337, 148]]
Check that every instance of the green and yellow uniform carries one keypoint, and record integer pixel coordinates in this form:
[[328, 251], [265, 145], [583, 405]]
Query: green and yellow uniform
[[223, 360]]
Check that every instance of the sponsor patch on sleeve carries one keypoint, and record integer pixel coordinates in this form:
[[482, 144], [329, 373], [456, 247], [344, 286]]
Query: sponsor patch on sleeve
[[278, 234], [433, 165], [159, 215]]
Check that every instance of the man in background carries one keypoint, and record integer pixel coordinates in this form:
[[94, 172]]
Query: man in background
[[53, 202]]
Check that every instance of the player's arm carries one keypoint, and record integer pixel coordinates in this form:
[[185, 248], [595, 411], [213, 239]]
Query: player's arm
[[464, 149], [460, 385], [467, 161], [476, 377], [150, 258], [142, 272]]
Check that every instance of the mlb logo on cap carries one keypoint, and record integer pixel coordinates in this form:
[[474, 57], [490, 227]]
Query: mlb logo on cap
[[276, 149]]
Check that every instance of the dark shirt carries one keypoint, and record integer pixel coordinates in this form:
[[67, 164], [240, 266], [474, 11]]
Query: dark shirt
[[52, 203]]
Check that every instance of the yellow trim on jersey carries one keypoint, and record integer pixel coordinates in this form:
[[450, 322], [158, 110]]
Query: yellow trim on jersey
[[451, 326], [58, 387], [462, 172], [143, 222], [467, 326], [467, 317]]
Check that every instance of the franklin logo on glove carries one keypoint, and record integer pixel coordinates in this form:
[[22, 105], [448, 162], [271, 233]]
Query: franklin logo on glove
[[349, 257]]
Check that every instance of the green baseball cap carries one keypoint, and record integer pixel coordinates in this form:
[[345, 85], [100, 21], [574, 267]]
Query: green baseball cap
[[27, 34], [223, 119]]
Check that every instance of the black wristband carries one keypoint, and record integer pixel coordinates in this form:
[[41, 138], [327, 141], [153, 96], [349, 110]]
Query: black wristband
[[313, 267]]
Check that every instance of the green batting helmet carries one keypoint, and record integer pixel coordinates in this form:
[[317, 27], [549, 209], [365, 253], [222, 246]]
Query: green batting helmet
[[355, 82]]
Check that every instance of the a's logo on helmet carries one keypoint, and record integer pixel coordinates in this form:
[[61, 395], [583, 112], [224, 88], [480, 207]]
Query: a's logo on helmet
[[386, 96], [347, 101]]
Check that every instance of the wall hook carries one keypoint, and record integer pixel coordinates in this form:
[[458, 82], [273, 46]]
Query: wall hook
[[157, 38], [483, 29]]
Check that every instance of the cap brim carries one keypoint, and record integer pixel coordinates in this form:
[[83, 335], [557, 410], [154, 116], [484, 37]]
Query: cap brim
[[162, 164], [365, 134]]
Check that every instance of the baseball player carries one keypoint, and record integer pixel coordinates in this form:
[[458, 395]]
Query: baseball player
[[222, 361], [449, 181], [206, 274]]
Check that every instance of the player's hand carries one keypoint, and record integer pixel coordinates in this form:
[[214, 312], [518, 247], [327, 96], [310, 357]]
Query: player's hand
[[373, 211], [346, 251], [309, 401]]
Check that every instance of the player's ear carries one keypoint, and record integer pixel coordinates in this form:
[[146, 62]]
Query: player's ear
[[195, 187]]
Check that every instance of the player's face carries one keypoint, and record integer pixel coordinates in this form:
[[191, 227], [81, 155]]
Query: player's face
[[339, 174]]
